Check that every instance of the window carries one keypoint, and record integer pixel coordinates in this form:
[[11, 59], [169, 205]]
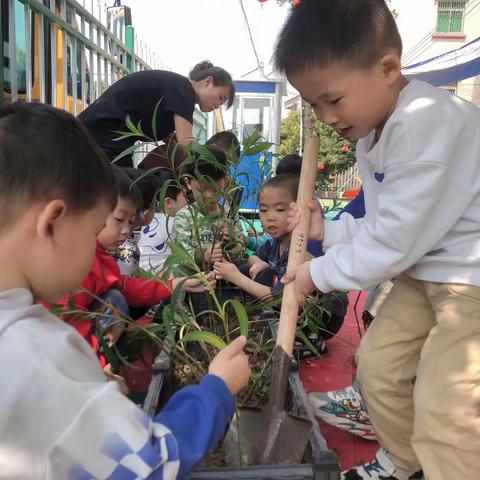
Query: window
[[450, 17], [451, 87]]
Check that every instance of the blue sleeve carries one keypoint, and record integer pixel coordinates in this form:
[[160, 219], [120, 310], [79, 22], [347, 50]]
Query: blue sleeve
[[314, 247], [356, 208], [263, 251], [197, 416]]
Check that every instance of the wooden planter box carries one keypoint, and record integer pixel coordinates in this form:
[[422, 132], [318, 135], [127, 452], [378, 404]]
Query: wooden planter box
[[319, 463]]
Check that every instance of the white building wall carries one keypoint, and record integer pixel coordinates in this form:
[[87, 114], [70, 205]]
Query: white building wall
[[417, 21]]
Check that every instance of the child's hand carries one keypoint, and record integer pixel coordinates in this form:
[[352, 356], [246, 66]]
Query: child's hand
[[231, 365], [303, 282], [256, 268], [215, 254], [226, 271], [117, 378], [317, 227], [114, 332], [195, 284]]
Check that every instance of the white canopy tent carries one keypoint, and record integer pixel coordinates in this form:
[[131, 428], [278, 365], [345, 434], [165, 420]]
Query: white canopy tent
[[449, 67]]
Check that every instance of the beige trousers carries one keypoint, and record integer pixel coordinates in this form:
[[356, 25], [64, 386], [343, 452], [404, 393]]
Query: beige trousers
[[430, 331]]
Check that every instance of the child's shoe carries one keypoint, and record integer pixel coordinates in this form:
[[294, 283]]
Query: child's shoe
[[381, 468], [343, 409]]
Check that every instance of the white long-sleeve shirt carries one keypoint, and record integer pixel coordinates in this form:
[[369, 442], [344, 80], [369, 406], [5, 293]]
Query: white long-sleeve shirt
[[422, 197], [61, 420]]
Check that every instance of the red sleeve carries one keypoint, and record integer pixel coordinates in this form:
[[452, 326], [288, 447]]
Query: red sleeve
[[140, 292]]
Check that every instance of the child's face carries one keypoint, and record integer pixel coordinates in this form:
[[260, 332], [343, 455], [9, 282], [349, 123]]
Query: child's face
[[207, 194], [173, 205], [119, 224], [274, 205], [65, 254], [353, 101]]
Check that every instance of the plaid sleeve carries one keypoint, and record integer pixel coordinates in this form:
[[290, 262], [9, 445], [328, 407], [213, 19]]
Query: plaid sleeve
[[112, 439], [183, 231]]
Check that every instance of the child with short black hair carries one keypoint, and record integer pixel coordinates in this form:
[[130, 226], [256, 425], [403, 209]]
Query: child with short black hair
[[267, 266], [418, 156], [149, 185], [226, 141], [202, 227], [154, 249], [59, 416]]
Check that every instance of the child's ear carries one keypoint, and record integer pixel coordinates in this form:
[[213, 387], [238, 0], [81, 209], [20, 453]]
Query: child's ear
[[168, 203], [391, 67], [49, 217]]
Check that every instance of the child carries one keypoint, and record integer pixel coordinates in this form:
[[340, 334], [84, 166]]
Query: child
[[59, 416], [418, 155], [153, 240], [268, 264], [105, 275], [202, 228], [149, 185], [226, 141]]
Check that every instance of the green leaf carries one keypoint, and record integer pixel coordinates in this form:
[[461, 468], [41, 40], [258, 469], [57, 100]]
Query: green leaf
[[180, 252], [241, 314], [154, 120], [127, 151], [258, 148], [207, 337], [130, 125]]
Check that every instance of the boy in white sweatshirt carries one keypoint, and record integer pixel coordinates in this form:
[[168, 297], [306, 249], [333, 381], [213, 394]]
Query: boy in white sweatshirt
[[418, 155], [59, 417]]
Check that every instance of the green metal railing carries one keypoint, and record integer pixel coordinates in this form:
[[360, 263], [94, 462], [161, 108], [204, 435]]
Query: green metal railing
[[91, 60]]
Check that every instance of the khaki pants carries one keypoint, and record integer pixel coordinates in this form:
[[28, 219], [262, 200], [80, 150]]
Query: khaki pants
[[430, 331]]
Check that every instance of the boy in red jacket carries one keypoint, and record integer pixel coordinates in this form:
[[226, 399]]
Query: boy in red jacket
[[105, 282]]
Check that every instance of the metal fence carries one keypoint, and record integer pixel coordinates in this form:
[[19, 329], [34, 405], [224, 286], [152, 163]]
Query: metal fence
[[59, 52]]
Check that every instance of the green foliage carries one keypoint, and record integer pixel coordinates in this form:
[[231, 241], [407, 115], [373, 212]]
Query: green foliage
[[336, 154]]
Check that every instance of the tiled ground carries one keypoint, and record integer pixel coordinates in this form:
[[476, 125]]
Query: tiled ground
[[334, 372]]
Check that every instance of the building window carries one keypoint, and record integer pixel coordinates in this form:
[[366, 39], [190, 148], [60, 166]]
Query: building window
[[451, 87], [450, 17]]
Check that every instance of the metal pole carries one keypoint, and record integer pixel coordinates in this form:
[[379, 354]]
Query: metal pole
[[28, 52], [12, 50], [53, 57]]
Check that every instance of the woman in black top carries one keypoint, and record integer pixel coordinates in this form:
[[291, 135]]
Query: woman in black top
[[137, 94]]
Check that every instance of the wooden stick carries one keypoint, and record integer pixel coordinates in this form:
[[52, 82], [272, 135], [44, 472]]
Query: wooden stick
[[298, 244]]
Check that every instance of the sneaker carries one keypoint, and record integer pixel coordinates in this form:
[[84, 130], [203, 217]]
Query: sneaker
[[303, 352], [344, 409], [381, 468]]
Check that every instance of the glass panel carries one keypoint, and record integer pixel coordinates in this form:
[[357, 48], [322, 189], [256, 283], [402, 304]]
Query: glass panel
[[256, 116], [442, 22], [456, 22], [21, 65]]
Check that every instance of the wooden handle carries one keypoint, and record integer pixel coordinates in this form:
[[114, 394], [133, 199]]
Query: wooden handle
[[298, 244]]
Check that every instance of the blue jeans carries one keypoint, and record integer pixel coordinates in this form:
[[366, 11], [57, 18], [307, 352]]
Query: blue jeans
[[114, 298]]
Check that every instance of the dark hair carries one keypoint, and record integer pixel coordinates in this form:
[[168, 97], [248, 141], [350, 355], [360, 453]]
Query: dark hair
[[173, 189], [151, 183], [168, 156], [322, 32], [225, 140], [285, 180], [289, 164], [221, 78], [46, 153], [126, 188], [211, 165]]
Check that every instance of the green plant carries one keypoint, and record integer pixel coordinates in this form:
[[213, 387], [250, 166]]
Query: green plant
[[335, 156]]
